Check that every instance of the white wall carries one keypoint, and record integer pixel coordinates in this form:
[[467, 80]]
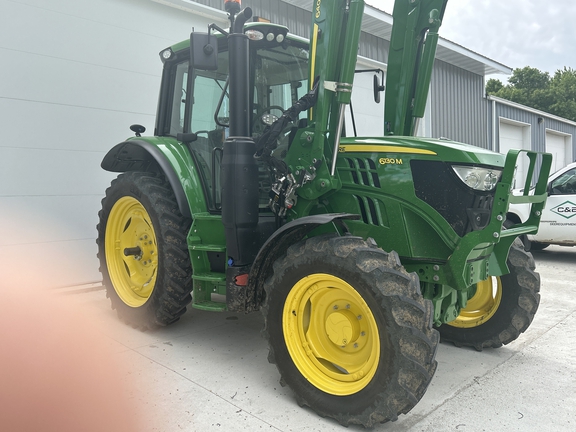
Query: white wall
[[75, 75]]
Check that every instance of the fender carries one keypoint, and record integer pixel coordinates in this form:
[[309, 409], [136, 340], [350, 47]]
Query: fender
[[172, 159], [277, 244]]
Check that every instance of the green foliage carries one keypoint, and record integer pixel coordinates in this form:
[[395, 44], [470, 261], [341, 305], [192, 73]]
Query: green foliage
[[529, 78], [563, 89], [493, 86], [534, 88]]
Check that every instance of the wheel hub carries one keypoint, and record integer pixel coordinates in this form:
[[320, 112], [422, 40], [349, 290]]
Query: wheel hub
[[342, 328]]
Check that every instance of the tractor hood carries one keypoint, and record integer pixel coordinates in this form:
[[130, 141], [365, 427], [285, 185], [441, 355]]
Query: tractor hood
[[440, 149]]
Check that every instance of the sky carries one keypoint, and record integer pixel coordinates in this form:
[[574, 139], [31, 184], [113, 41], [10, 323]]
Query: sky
[[516, 33]]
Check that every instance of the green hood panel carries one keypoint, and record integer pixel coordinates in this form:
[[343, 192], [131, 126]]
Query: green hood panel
[[444, 150]]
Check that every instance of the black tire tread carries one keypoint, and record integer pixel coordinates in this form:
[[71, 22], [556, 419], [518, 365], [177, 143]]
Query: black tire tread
[[525, 282], [415, 339], [174, 281]]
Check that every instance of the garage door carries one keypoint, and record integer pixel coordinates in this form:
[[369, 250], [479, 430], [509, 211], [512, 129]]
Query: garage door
[[556, 144], [516, 136]]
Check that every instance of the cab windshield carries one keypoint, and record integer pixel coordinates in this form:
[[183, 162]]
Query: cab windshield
[[278, 76]]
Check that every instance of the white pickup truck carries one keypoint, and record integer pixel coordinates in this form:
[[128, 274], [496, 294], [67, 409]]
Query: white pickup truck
[[558, 222]]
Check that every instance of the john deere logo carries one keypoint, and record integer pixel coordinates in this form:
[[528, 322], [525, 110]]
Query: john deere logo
[[566, 209]]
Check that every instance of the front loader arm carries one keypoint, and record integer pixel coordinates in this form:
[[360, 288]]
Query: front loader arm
[[410, 62], [333, 51], [335, 33]]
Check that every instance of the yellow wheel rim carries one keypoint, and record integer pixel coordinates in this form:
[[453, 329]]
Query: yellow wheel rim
[[482, 306], [129, 230], [331, 334]]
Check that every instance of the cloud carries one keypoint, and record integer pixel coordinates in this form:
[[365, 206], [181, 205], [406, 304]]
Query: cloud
[[516, 33]]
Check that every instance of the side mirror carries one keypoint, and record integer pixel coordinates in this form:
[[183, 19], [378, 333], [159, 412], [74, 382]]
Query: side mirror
[[377, 89], [203, 51]]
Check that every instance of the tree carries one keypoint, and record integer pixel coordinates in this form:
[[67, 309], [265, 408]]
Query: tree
[[493, 86], [563, 89], [534, 88], [529, 78]]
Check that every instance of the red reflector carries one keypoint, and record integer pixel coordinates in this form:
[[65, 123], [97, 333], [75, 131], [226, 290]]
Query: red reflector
[[241, 280], [233, 1]]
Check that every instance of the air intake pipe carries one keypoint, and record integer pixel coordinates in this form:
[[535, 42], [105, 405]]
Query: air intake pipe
[[239, 169]]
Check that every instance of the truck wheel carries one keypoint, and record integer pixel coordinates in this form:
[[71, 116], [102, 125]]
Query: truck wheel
[[349, 330], [143, 252], [502, 307], [537, 246]]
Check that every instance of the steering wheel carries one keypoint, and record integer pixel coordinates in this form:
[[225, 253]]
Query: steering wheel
[[261, 119]]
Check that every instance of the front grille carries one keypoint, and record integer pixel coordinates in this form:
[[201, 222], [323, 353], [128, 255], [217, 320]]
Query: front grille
[[465, 209]]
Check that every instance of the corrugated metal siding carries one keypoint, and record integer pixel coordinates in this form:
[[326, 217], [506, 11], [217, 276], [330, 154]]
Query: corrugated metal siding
[[296, 19], [299, 20], [373, 47], [538, 130], [458, 109]]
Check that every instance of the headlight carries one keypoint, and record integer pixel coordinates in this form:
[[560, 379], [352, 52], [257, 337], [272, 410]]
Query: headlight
[[254, 35], [483, 179], [166, 54]]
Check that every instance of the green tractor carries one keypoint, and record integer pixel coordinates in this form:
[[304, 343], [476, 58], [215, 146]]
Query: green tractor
[[359, 251]]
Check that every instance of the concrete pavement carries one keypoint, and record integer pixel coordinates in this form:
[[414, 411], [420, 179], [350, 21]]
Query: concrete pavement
[[209, 372]]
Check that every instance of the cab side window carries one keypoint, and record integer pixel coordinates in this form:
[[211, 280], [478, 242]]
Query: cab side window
[[178, 99]]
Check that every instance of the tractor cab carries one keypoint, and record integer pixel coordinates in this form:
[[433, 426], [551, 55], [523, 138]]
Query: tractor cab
[[196, 109]]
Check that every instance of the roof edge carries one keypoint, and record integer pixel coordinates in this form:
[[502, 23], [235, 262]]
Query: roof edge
[[529, 109], [196, 8], [492, 64]]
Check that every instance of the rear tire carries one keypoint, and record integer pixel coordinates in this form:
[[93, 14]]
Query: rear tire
[[151, 285], [502, 308], [349, 330]]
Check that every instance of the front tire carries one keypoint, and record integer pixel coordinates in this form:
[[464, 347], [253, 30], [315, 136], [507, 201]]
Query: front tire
[[143, 251], [502, 308], [349, 330]]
